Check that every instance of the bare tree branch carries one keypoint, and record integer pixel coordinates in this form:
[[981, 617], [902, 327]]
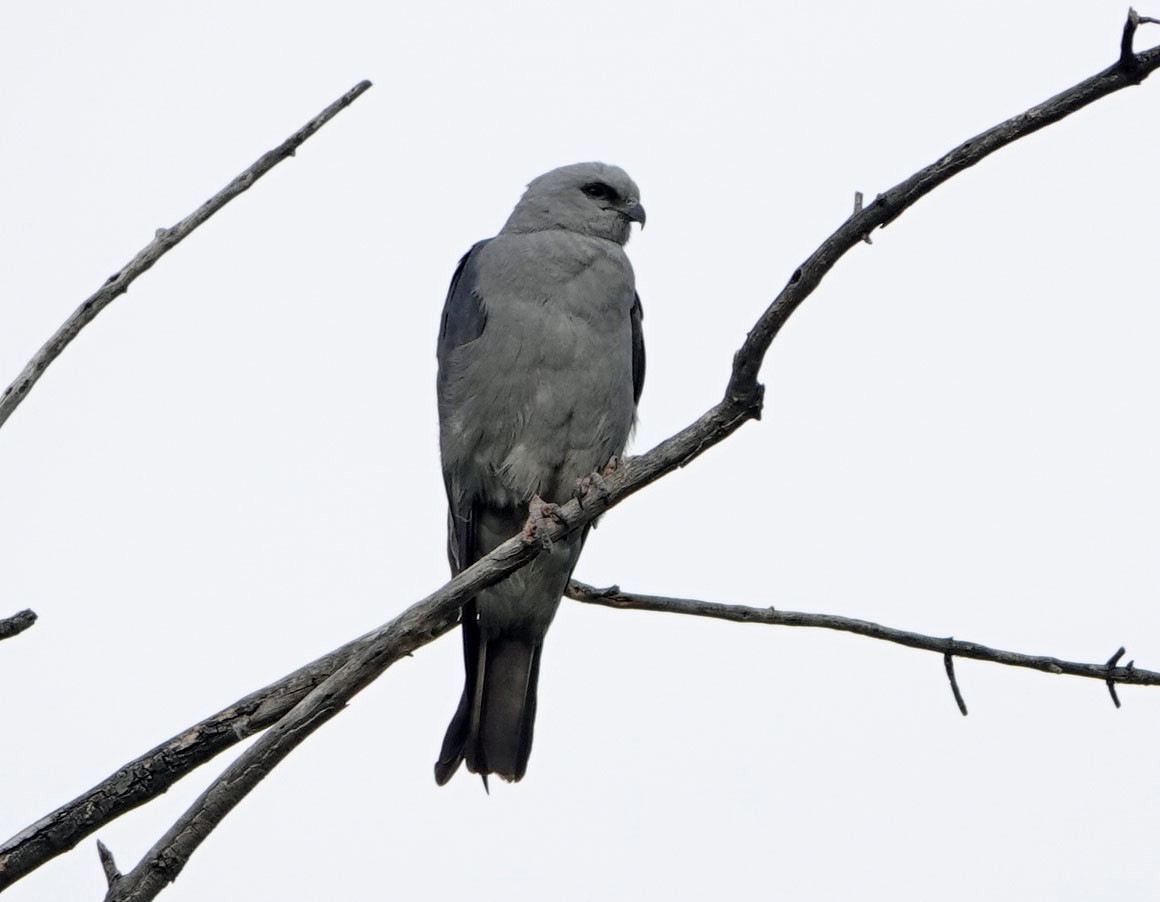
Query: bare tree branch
[[1130, 69], [17, 623], [361, 661], [165, 239], [153, 773], [742, 402], [414, 628], [949, 647]]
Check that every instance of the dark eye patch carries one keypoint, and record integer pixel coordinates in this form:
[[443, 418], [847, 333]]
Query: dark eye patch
[[599, 191]]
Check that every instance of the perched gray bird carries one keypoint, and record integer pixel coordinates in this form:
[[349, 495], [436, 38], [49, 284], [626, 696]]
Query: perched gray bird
[[541, 363]]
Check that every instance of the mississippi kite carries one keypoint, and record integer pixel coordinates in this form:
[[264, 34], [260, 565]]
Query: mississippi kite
[[541, 364]]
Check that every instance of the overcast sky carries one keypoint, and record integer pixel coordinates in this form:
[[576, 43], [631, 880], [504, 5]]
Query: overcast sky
[[235, 468]]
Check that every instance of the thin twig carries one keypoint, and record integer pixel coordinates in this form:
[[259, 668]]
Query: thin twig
[[857, 210], [108, 864], [1135, 20], [17, 623], [949, 664], [165, 239], [1112, 661], [738, 613]]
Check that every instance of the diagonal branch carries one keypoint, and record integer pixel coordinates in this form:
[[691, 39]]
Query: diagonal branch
[[165, 240], [154, 772], [949, 647], [434, 615], [742, 402], [415, 627], [1130, 69]]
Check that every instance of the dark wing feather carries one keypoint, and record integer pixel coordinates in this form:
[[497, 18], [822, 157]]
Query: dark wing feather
[[636, 315], [464, 319], [463, 313]]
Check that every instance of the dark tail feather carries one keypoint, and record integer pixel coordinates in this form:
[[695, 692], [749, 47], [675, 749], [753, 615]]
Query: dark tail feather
[[454, 742], [492, 727], [508, 710], [458, 736]]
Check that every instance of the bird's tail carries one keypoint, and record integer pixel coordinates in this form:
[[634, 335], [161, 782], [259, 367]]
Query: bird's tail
[[492, 728]]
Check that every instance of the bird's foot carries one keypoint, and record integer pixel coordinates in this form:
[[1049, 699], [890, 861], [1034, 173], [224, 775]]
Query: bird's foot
[[590, 484], [595, 482], [541, 514]]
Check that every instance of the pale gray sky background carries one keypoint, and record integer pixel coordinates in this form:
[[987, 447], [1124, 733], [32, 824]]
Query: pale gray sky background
[[235, 468]]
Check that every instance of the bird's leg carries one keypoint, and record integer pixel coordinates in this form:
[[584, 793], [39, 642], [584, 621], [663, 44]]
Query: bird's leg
[[541, 513], [594, 482]]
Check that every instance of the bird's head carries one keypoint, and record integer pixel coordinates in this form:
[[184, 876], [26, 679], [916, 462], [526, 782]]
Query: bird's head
[[593, 199]]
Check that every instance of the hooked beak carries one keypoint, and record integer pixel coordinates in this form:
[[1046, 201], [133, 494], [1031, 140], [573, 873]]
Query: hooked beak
[[635, 213]]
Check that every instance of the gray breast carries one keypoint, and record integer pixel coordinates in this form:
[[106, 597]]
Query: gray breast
[[545, 394]]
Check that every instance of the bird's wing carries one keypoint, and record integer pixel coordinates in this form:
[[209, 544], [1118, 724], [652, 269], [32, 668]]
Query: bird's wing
[[464, 319], [637, 315]]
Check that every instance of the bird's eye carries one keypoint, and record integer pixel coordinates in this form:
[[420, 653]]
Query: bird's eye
[[599, 191]]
